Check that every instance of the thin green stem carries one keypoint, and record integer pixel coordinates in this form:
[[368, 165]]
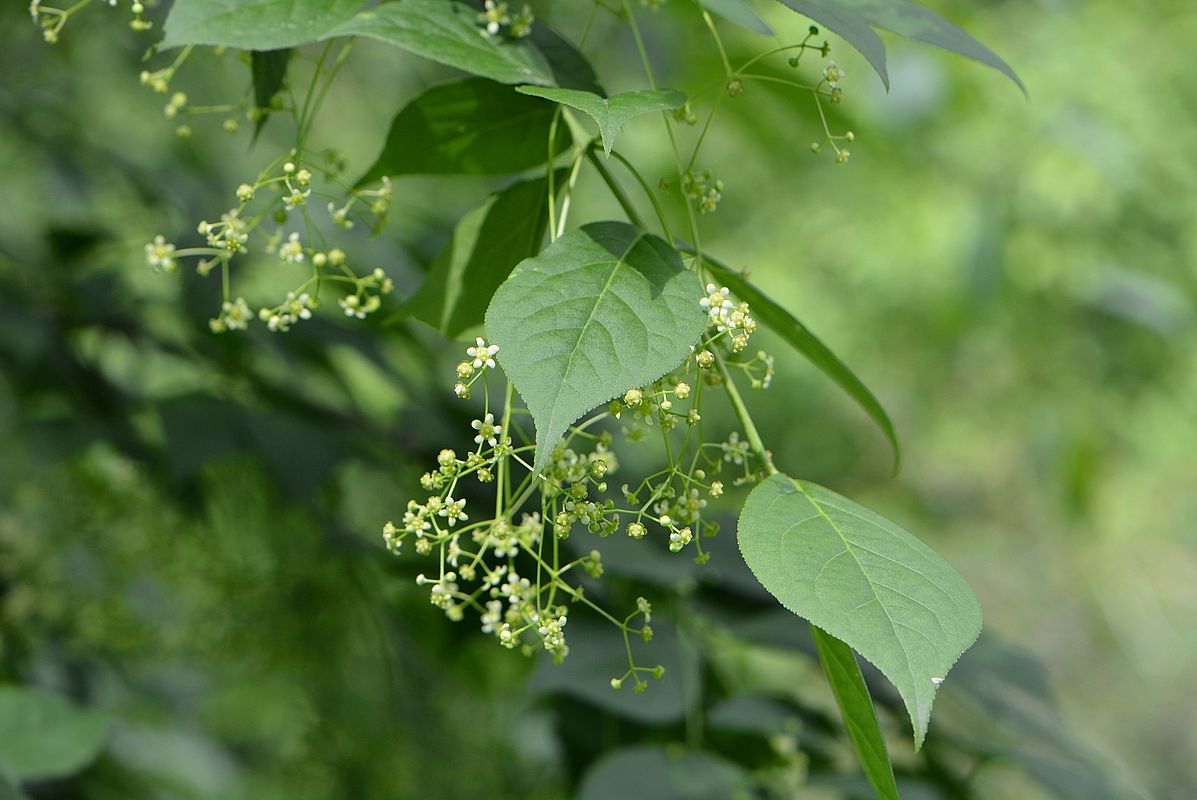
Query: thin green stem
[[741, 411]]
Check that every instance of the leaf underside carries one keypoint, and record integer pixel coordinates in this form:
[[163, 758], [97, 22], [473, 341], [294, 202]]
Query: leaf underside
[[448, 33]]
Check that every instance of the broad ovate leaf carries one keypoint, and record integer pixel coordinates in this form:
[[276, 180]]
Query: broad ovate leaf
[[448, 32], [43, 736], [856, 707], [603, 309], [486, 245], [254, 24], [863, 580], [610, 113], [469, 127]]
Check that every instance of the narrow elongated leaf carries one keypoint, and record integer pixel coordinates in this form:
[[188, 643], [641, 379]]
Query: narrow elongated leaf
[[854, 20], [798, 336], [269, 69], [913, 21], [43, 736], [860, 717], [610, 113], [470, 126], [448, 32], [487, 244], [863, 580], [740, 12], [604, 308], [254, 24], [849, 24]]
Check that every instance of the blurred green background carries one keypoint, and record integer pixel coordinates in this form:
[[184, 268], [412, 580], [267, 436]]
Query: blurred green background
[[189, 524]]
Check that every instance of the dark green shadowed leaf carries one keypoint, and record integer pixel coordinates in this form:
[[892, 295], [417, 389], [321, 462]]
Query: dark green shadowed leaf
[[913, 21], [570, 68], [660, 773], [43, 736], [784, 324], [254, 24], [448, 32], [610, 113], [269, 68], [740, 12], [853, 27], [856, 706], [470, 126], [9, 791], [487, 244], [863, 580], [603, 309]]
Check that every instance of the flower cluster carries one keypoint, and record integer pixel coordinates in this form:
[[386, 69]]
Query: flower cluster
[[480, 358], [728, 317], [496, 15], [703, 190]]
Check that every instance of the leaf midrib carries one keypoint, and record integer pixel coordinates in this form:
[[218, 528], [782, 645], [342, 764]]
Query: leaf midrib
[[892, 626], [586, 325]]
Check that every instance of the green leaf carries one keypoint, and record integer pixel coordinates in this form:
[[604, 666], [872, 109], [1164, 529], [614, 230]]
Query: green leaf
[[856, 706], [864, 581], [785, 325], [486, 245], [269, 69], [43, 736], [854, 20], [610, 113], [653, 771], [854, 29], [604, 308], [570, 68], [470, 126], [448, 32], [8, 791], [740, 12], [254, 24], [913, 21]]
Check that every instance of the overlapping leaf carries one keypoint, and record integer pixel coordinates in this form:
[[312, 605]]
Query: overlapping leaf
[[863, 580], [269, 70], [610, 113], [448, 32], [254, 24], [855, 19], [470, 126], [604, 308], [486, 245], [860, 717]]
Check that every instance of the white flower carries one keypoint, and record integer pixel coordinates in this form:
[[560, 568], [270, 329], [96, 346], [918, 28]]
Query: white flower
[[482, 353], [452, 510], [160, 254], [833, 73], [488, 431], [234, 316], [291, 251]]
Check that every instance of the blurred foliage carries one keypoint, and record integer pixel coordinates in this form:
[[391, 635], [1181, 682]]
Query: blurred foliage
[[189, 524]]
